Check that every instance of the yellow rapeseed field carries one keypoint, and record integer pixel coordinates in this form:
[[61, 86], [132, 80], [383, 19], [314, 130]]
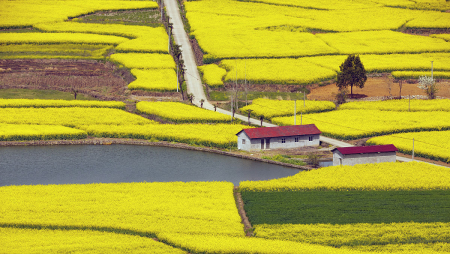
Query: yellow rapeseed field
[[144, 61], [380, 176], [251, 245], [214, 135], [154, 80], [29, 240], [400, 105], [372, 237], [139, 208], [56, 38], [354, 124], [275, 108], [143, 39], [212, 74], [433, 145], [20, 132], [31, 12], [181, 113], [70, 117], [38, 103]]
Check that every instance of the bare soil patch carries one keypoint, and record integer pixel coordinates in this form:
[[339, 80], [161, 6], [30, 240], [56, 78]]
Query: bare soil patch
[[103, 81], [378, 88]]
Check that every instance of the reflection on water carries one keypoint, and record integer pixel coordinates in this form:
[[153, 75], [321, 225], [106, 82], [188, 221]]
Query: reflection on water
[[126, 163]]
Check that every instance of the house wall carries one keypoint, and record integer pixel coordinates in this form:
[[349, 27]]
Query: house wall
[[352, 159], [275, 143], [290, 142], [240, 145]]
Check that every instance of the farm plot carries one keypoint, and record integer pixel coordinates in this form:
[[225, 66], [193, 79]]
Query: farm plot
[[214, 135], [306, 70], [400, 105], [31, 12], [229, 29], [350, 207], [142, 39], [20, 132], [181, 113], [154, 80], [433, 145], [354, 124], [136, 208], [212, 74], [31, 240], [36, 103], [70, 117], [276, 108], [276, 71]]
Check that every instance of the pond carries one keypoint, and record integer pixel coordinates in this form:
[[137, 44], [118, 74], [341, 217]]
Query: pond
[[81, 164]]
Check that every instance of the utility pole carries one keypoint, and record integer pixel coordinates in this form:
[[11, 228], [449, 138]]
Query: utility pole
[[295, 112], [413, 150], [301, 118], [431, 69], [304, 98]]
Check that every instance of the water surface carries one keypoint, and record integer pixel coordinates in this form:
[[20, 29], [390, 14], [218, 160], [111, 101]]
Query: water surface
[[81, 164]]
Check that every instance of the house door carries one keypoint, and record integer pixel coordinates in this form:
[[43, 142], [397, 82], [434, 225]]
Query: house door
[[268, 143], [262, 143]]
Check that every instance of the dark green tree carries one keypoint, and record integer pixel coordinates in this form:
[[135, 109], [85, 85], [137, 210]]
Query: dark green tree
[[352, 74]]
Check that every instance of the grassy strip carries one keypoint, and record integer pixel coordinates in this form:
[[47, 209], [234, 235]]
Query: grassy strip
[[285, 159], [346, 207], [40, 94]]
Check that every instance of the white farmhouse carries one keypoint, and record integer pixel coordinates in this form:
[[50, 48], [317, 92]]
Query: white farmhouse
[[278, 137], [364, 154]]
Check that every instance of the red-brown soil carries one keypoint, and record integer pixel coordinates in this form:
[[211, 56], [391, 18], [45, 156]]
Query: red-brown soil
[[378, 87]]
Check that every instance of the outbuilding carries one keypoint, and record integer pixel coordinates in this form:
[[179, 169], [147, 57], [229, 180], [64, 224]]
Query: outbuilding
[[364, 154], [278, 137]]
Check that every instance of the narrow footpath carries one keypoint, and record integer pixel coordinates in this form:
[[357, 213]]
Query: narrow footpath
[[194, 83]]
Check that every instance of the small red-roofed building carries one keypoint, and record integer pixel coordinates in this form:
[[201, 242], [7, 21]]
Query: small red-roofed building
[[293, 136], [364, 154]]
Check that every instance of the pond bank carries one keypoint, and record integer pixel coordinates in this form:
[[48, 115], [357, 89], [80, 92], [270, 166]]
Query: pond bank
[[111, 141]]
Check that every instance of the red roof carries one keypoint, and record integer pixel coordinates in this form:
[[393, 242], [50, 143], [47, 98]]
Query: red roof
[[367, 149], [281, 131]]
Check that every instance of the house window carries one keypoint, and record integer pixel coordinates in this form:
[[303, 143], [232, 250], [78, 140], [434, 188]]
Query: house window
[[243, 141], [283, 140], [296, 139], [310, 138]]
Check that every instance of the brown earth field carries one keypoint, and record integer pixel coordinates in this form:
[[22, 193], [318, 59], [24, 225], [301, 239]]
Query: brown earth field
[[377, 88], [101, 80]]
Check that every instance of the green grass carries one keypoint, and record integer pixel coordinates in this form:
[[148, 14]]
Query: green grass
[[46, 51], [344, 207], [40, 94], [225, 96], [285, 159], [150, 17]]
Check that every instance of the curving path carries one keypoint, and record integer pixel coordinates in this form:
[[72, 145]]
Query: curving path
[[194, 83]]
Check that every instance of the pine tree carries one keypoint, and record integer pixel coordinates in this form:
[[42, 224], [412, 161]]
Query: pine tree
[[352, 74]]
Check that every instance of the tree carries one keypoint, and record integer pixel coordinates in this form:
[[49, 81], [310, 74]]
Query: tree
[[313, 159], [429, 86], [352, 74], [201, 103]]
